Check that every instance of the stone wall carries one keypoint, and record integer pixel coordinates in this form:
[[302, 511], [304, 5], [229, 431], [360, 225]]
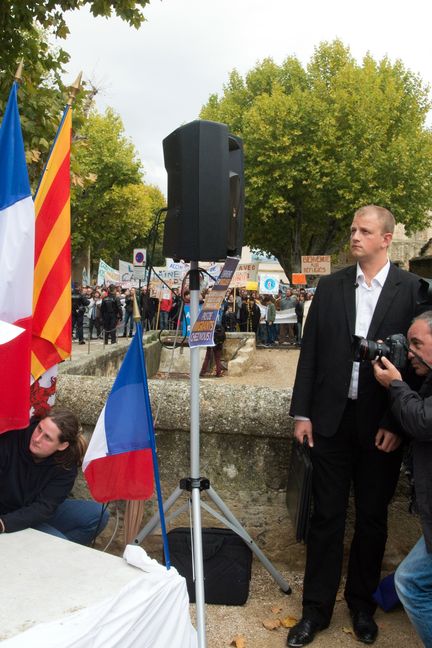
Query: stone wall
[[106, 360], [237, 354]]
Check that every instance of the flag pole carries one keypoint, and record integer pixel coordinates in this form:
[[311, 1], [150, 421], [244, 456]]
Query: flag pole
[[18, 73], [138, 332]]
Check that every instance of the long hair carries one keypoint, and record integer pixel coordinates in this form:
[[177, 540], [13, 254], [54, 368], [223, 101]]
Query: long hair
[[70, 431]]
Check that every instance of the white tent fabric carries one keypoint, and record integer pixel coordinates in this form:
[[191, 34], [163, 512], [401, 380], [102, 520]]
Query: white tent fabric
[[151, 611]]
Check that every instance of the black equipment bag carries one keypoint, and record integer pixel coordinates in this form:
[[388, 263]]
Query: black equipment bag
[[227, 564], [299, 489]]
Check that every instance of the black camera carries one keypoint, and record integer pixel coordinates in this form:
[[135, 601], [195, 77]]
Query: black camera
[[394, 348]]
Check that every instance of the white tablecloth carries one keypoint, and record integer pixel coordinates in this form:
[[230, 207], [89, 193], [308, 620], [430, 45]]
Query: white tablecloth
[[94, 600]]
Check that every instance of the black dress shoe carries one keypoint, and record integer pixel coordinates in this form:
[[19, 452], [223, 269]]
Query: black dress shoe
[[365, 628], [302, 633]]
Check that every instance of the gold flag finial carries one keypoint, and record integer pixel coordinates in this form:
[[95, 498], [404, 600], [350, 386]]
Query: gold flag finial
[[18, 73], [74, 89], [136, 312]]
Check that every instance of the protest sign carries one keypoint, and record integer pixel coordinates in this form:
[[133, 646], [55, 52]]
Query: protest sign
[[202, 333], [298, 279], [107, 275], [244, 273], [269, 284], [316, 264]]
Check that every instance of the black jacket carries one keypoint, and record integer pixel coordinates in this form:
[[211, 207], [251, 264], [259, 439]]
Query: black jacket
[[111, 310], [29, 492], [413, 411], [326, 359], [79, 304]]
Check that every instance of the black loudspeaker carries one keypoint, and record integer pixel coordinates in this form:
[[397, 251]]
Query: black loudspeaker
[[204, 221]]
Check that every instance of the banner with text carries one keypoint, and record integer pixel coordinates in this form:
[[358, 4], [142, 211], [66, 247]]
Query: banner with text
[[214, 271], [202, 333], [316, 265], [107, 275], [244, 273]]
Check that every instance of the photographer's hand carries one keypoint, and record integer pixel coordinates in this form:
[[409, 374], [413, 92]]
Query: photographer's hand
[[303, 429], [387, 441], [385, 372]]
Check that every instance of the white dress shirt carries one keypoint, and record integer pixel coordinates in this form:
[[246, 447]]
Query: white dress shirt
[[366, 301]]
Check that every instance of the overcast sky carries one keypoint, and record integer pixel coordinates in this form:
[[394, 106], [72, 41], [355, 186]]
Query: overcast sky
[[158, 77]]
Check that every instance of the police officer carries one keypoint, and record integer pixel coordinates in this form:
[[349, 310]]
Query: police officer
[[111, 312], [79, 304]]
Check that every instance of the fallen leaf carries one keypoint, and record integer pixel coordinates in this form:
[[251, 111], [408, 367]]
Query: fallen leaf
[[238, 642], [288, 622], [275, 610], [339, 597], [348, 631], [271, 624]]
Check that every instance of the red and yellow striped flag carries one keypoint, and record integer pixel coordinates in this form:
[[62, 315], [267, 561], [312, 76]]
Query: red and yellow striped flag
[[52, 334]]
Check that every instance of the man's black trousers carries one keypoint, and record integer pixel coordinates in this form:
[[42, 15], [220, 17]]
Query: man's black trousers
[[339, 461]]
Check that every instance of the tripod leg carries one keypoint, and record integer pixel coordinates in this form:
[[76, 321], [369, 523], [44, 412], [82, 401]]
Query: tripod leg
[[154, 521], [235, 525]]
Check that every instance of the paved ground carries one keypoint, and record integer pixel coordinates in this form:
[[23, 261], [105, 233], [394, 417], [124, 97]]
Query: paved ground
[[276, 368]]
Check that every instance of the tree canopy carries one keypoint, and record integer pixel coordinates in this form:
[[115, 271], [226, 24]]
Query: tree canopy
[[322, 140], [112, 208], [26, 31], [24, 16]]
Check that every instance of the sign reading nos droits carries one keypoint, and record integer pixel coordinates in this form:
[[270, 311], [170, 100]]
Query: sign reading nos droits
[[316, 265]]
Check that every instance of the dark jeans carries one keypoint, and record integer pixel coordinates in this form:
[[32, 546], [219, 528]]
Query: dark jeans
[[76, 520], [262, 333], [337, 462], [95, 323], [271, 332], [110, 328], [128, 318], [163, 320], [78, 323]]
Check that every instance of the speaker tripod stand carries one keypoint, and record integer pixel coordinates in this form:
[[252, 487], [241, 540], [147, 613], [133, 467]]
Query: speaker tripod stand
[[195, 484]]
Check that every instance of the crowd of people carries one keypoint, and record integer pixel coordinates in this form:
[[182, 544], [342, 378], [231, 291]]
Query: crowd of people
[[107, 312]]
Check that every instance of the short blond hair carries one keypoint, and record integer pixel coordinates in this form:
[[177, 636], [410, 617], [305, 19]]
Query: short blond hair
[[384, 215]]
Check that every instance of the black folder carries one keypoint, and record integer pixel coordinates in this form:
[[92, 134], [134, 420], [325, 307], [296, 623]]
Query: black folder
[[299, 489]]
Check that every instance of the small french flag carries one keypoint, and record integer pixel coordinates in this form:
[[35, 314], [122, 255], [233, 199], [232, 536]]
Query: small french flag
[[118, 463]]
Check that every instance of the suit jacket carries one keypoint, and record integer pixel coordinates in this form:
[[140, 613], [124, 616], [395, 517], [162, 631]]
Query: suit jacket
[[326, 359]]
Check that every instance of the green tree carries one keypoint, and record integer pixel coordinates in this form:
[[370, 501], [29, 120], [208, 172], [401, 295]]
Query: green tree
[[18, 17], [322, 140], [26, 32], [112, 209]]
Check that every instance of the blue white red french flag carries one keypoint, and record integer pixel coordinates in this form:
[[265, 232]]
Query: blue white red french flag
[[118, 463], [17, 229]]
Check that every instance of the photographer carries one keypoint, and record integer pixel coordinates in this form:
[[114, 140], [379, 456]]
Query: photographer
[[413, 412]]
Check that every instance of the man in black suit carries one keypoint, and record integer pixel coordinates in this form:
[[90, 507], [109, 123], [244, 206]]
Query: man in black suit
[[341, 410]]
